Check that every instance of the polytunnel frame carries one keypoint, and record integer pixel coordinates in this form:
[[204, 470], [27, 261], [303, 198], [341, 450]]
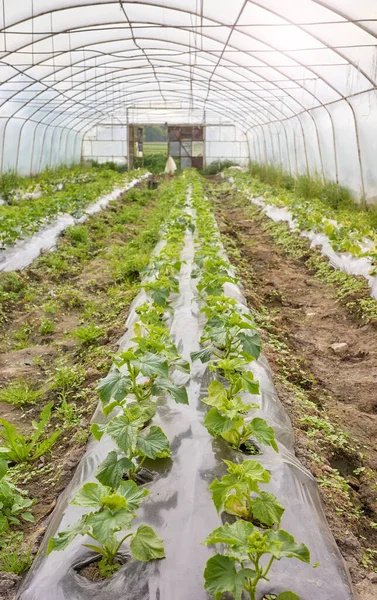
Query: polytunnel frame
[[191, 29]]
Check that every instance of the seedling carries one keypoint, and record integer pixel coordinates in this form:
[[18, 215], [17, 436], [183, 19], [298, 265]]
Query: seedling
[[244, 545], [238, 493], [112, 512]]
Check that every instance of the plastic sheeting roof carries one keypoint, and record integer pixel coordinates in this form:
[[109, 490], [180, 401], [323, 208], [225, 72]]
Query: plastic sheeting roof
[[73, 63]]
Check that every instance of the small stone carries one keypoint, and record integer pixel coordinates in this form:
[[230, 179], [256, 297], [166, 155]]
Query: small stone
[[340, 348], [372, 577]]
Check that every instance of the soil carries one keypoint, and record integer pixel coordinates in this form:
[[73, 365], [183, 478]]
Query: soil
[[85, 282], [301, 319]]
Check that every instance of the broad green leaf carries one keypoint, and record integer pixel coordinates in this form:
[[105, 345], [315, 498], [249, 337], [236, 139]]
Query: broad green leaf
[[110, 472], [203, 355], [221, 576], [281, 544], [217, 395], [288, 596], [132, 493], [91, 494], [178, 392], [145, 544], [251, 344], [151, 365], [220, 489], [107, 522], [123, 432], [64, 538], [250, 470], [114, 386], [153, 444], [267, 509], [235, 534], [248, 383], [98, 430], [216, 423], [160, 296], [181, 364], [263, 433]]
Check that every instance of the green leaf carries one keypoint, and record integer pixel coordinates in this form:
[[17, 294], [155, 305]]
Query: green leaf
[[132, 493], [221, 576], [46, 444], [248, 383], [249, 470], [178, 392], [98, 430], [217, 395], [151, 364], [235, 534], [288, 596], [64, 538], [123, 432], [251, 344], [203, 355], [216, 423], [90, 494], [160, 296], [263, 433], [108, 522], [154, 444], [110, 472], [114, 386], [281, 544], [3, 468], [267, 509], [220, 490], [146, 545]]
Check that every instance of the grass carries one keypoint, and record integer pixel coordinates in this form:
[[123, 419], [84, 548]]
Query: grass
[[89, 334], [20, 393], [156, 148]]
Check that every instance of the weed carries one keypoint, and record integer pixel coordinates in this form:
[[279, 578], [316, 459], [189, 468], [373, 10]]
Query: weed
[[66, 380], [22, 335], [15, 560], [89, 334], [47, 327], [20, 393]]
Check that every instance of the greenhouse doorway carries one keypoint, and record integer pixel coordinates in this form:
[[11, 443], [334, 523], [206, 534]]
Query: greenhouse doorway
[[150, 146], [147, 146]]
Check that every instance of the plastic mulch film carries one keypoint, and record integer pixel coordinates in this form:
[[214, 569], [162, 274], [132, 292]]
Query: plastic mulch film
[[179, 506], [20, 255], [343, 261]]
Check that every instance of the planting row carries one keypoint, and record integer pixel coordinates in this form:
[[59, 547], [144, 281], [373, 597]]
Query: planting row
[[345, 229], [59, 323], [67, 191], [142, 371], [192, 454]]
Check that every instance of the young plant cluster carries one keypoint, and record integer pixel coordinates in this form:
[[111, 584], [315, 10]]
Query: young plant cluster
[[230, 342], [53, 193], [128, 394], [345, 226]]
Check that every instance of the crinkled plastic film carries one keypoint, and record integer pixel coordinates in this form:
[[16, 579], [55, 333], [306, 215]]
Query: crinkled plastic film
[[20, 255], [343, 261], [179, 506]]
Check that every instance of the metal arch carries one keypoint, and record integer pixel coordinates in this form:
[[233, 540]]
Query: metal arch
[[240, 50], [297, 114]]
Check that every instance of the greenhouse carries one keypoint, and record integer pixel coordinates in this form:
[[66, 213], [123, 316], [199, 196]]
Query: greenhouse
[[188, 300]]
